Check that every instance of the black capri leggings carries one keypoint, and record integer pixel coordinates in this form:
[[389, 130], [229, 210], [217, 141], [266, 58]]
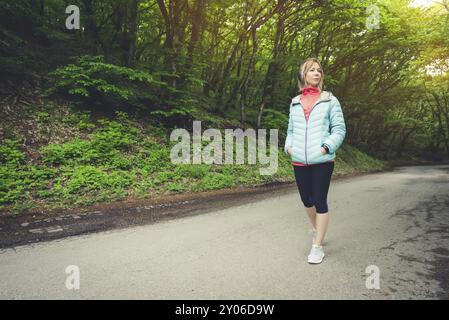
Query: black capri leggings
[[313, 184]]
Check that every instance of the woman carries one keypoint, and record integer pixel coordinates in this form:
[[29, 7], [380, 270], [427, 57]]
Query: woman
[[316, 129]]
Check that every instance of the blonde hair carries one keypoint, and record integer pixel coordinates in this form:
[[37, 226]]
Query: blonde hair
[[304, 68]]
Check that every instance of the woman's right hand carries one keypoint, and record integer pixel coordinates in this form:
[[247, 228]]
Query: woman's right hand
[[290, 151]]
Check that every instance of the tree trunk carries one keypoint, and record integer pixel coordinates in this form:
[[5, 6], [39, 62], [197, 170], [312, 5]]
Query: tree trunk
[[168, 44], [42, 7], [442, 128], [259, 114], [227, 70], [91, 29], [131, 41], [270, 82], [197, 17], [248, 75]]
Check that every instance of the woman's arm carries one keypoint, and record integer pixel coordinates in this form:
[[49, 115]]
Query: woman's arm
[[337, 127], [288, 140]]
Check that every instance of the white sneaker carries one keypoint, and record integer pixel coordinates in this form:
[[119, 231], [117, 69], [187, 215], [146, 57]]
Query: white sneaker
[[316, 254]]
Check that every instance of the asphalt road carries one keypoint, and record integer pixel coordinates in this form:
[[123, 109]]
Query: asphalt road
[[397, 221]]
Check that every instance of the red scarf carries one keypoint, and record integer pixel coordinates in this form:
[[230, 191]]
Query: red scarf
[[310, 91], [309, 97]]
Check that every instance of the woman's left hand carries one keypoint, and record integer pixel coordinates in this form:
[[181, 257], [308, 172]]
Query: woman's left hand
[[323, 151]]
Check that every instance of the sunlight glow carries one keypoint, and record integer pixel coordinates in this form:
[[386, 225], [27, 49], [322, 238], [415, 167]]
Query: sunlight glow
[[422, 3], [438, 68]]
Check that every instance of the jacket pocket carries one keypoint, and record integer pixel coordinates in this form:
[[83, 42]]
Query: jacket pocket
[[323, 157], [293, 152]]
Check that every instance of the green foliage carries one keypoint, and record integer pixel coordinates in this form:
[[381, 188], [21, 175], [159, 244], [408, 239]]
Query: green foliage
[[87, 184], [20, 181], [164, 176], [23, 182], [91, 77], [194, 171], [143, 187], [153, 160], [12, 185], [75, 150], [106, 146], [214, 181], [114, 136], [176, 187], [181, 107], [80, 120], [350, 159], [273, 119], [76, 181], [43, 117], [10, 153]]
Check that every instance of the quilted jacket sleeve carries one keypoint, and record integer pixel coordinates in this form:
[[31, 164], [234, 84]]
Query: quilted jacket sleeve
[[288, 140], [337, 127]]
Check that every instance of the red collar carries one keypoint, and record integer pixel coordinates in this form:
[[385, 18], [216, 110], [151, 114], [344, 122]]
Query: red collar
[[310, 91]]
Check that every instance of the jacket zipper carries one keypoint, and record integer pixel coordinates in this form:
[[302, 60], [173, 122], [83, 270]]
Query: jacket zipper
[[307, 125]]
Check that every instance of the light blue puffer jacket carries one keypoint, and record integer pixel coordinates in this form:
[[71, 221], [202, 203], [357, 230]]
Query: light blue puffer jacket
[[326, 125]]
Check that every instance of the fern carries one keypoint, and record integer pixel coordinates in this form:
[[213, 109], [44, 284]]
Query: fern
[[91, 76]]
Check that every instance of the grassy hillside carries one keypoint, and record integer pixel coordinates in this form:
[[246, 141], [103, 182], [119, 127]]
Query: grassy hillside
[[56, 155]]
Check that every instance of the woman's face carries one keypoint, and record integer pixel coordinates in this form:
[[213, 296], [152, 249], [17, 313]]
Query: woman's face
[[313, 76]]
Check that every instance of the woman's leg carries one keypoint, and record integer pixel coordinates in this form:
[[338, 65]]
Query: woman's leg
[[322, 221], [321, 177], [311, 212], [303, 176]]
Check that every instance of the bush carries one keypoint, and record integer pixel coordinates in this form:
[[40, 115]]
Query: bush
[[75, 151], [18, 184], [273, 119], [107, 146], [214, 181], [164, 176], [91, 77], [177, 187], [80, 120], [88, 180], [114, 136], [10, 153], [195, 171]]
